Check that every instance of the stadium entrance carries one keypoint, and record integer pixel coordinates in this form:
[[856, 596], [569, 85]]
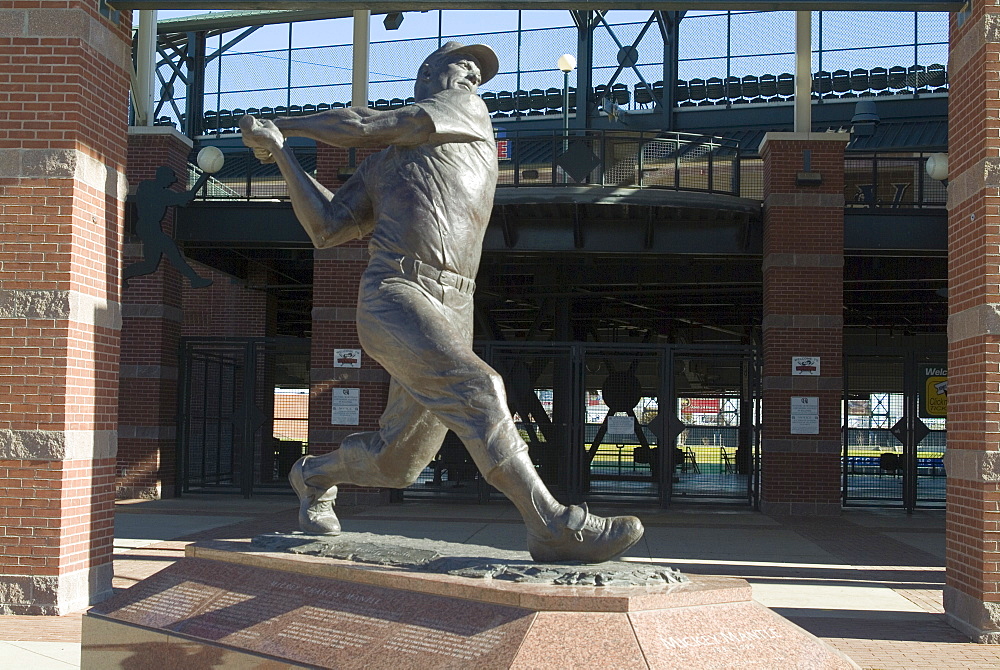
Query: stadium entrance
[[653, 423], [895, 429]]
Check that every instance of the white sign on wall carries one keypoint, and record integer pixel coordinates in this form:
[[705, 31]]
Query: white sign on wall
[[346, 407], [805, 365], [805, 415], [347, 358]]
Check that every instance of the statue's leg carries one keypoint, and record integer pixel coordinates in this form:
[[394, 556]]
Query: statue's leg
[[420, 331], [408, 438], [174, 255], [150, 261]]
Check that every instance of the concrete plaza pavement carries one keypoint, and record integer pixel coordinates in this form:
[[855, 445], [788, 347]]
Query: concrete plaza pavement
[[868, 581]]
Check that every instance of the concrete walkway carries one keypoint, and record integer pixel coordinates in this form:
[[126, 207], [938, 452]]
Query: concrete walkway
[[869, 581]]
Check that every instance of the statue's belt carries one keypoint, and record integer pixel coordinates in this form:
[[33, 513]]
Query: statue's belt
[[412, 267]]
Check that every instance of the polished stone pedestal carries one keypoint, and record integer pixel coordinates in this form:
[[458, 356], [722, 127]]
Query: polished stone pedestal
[[227, 604]]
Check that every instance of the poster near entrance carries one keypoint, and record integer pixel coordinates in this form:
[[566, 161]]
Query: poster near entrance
[[934, 400]]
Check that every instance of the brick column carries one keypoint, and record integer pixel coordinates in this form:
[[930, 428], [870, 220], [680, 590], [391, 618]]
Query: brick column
[[336, 275], [972, 589], [151, 328], [63, 88], [803, 316]]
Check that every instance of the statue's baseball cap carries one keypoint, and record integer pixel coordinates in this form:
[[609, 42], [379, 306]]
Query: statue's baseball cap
[[485, 56]]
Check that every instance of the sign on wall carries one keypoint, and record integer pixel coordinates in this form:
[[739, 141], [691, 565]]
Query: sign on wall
[[347, 358], [346, 407], [933, 392], [805, 415], [805, 365]]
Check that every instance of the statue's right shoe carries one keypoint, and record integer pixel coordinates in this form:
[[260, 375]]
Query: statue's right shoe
[[586, 538], [316, 515]]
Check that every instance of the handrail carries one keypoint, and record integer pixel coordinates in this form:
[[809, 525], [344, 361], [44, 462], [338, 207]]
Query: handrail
[[624, 159], [666, 160]]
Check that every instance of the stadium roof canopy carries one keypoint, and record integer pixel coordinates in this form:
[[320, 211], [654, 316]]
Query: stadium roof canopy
[[381, 6]]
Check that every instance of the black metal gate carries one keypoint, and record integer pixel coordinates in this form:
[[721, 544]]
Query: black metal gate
[[895, 431], [228, 437], [594, 417], [716, 455]]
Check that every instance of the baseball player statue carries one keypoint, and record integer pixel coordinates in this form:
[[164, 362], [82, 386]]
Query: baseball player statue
[[426, 200]]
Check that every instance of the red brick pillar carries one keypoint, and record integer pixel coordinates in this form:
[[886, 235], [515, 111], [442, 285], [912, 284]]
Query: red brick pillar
[[63, 88], [336, 275], [972, 589], [803, 317], [151, 328]]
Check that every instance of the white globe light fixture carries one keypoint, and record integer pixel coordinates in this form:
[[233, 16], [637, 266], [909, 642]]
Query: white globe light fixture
[[566, 63], [937, 166], [210, 159]]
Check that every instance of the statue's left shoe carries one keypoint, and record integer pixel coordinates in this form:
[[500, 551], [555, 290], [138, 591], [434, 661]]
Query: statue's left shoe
[[316, 515], [583, 537]]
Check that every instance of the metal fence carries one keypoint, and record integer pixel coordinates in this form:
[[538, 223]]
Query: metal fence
[[891, 180], [675, 161], [722, 60]]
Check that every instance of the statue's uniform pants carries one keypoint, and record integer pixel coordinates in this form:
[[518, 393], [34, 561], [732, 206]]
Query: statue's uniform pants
[[416, 321]]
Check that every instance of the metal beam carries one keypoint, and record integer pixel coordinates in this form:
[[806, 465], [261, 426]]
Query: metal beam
[[377, 6], [143, 96]]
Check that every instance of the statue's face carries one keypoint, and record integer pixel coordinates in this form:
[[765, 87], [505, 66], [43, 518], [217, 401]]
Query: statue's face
[[459, 71]]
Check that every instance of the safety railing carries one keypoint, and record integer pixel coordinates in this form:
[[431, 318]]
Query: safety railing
[[891, 181], [674, 161]]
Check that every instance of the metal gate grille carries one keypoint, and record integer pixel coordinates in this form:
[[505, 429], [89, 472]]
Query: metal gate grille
[[714, 456], [894, 441], [227, 437], [873, 469], [596, 416], [622, 396]]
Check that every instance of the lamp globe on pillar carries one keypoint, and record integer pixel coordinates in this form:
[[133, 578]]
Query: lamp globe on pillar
[[937, 167], [566, 63]]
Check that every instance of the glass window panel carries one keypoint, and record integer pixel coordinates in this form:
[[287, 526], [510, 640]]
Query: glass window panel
[[932, 27], [318, 66], [868, 58], [254, 71], [702, 68], [702, 37], [847, 30], [274, 36], [742, 66], [546, 18], [763, 33], [464, 22], [540, 49], [932, 53]]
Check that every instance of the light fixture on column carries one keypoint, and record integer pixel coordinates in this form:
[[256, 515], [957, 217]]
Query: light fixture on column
[[566, 63], [393, 20], [937, 167]]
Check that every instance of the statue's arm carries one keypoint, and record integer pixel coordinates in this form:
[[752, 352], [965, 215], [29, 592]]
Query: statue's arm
[[361, 127], [329, 219], [178, 198]]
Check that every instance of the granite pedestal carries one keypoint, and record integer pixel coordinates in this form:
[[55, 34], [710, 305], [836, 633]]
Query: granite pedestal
[[231, 604]]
